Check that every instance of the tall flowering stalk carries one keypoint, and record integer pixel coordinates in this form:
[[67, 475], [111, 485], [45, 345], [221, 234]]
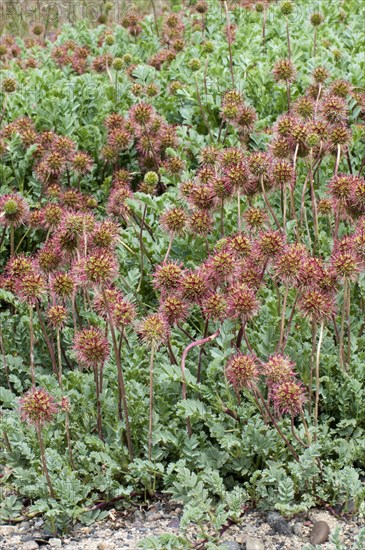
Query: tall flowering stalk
[[345, 266], [92, 350], [153, 330], [57, 316], [286, 8], [30, 288], [65, 406], [317, 305], [99, 270], [37, 407]]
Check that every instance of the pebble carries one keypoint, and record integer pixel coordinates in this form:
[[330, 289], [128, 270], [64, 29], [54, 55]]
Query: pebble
[[320, 533], [6, 530], [230, 545], [153, 516], [278, 524], [174, 523], [254, 544], [55, 543], [29, 545], [106, 546], [298, 529]]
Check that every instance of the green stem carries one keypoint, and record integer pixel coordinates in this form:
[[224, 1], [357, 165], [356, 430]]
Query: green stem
[[44, 463], [317, 375], [150, 429]]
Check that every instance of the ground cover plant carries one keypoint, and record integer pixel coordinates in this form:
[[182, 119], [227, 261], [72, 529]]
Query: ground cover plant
[[182, 295]]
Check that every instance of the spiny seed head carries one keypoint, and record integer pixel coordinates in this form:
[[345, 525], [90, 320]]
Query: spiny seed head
[[37, 407], [154, 329], [167, 276], [194, 64], [340, 186], [208, 46], [31, 287], [239, 245], [91, 347], [283, 172], [18, 266], [14, 210], [255, 218], [288, 263], [105, 235], [246, 117], [304, 107], [232, 97], [316, 19], [141, 113], [311, 271], [49, 258], [339, 135], [288, 397], [316, 304], [194, 286], [278, 368], [118, 64], [259, 163], [312, 140], [320, 75], [340, 88], [287, 8], [37, 29], [9, 85], [221, 265], [242, 302], [51, 216], [270, 243], [242, 371], [215, 307], [345, 265], [238, 175], [334, 109], [123, 312], [174, 309], [82, 163], [100, 268], [222, 187], [284, 70], [62, 285], [201, 222], [57, 316], [202, 197], [174, 220], [231, 156]]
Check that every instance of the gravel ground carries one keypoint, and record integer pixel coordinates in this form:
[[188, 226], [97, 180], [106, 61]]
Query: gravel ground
[[255, 531]]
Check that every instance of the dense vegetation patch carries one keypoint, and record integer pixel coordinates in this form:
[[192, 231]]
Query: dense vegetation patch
[[182, 242]]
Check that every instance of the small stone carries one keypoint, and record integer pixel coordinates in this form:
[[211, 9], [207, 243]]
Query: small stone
[[38, 523], [254, 544], [153, 516], [25, 526], [174, 523], [278, 524], [55, 543], [320, 533], [298, 529], [29, 545], [106, 546], [230, 545]]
